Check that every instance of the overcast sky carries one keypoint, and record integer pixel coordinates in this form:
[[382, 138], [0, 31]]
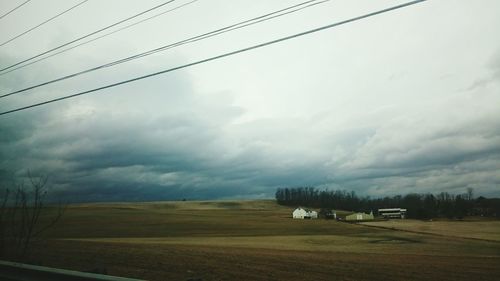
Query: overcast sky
[[407, 101]]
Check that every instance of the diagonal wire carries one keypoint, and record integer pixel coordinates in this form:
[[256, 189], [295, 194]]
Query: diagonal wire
[[218, 56], [19, 6], [232, 27], [87, 35], [94, 39], [42, 23]]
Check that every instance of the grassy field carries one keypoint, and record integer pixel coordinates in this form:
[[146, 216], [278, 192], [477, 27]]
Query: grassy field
[[258, 240], [468, 228]]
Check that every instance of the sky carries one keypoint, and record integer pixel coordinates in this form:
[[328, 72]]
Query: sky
[[407, 101]]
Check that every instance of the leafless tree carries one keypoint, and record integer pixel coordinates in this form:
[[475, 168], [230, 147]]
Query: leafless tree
[[470, 193], [20, 213]]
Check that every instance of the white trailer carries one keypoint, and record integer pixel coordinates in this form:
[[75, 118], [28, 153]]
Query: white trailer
[[392, 213]]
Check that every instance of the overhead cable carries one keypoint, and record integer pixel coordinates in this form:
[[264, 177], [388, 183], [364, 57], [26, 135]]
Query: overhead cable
[[17, 7], [42, 23], [238, 25], [87, 35], [94, 39], [218, 56]]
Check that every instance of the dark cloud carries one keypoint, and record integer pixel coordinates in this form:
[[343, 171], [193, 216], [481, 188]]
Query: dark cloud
[[379, 125], [115, 156]]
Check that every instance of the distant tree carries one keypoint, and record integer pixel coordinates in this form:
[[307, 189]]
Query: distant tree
[[487, 206], [326, 213], [430, 206], [412, 202], [445, 204], [470, 193], [460, 207]]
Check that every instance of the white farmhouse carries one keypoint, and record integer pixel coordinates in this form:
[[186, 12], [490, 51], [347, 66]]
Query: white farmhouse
[[301, 213]]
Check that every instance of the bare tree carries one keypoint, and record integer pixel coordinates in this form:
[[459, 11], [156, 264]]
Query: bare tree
[[470, 193], [20, 213], [3, 230]]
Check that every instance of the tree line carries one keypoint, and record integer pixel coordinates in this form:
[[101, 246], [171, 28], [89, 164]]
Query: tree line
[[419, 206]]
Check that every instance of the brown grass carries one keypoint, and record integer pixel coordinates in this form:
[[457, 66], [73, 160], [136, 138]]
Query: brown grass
[[472, 228], [180, 262], [254, 240]]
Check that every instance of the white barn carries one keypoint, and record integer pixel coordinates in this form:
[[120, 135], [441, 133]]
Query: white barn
[[301, 213]]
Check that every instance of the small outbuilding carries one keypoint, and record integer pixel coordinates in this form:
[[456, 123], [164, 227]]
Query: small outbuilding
[[359, 217], [313, 214], [301, 213]]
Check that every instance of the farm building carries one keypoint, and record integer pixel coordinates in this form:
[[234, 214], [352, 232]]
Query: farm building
[[313, 214], [330, 214], [359, 217], [301, 213], [392, 213]]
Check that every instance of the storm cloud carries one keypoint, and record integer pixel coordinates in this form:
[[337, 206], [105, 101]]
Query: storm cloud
[[375, 108]]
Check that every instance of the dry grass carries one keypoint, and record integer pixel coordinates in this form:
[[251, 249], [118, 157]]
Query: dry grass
[[254, 240], [472, 228], [218, 218], [180, 262], [386, 242]]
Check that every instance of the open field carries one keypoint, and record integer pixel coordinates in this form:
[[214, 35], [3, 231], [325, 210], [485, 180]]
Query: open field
[[471, 228], [256, 240]]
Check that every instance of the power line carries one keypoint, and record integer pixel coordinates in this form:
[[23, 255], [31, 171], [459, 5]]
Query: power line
[[268, 16], [44, 22], [219, 56], [87, 35], [94, 39], [19, 6]]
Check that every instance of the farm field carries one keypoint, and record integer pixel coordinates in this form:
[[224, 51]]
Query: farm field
[[468, 228], [255, 240]]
